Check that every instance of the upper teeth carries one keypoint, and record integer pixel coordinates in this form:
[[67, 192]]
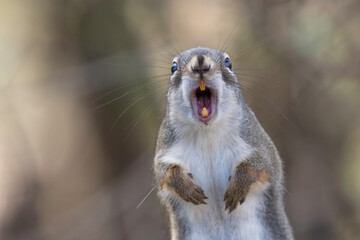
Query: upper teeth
[[202, 85]]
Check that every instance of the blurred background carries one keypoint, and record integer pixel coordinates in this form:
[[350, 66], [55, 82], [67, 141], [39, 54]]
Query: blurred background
[[82, 90]]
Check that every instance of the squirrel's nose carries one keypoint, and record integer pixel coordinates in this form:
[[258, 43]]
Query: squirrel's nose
[[200, 67]]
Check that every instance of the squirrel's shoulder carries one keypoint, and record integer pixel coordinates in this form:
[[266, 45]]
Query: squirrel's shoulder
[[166, 135]]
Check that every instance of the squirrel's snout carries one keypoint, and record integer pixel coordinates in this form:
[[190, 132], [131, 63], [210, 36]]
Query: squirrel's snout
[[200, 65]]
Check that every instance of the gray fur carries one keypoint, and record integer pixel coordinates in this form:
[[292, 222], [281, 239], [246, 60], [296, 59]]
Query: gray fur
[[273, 215]]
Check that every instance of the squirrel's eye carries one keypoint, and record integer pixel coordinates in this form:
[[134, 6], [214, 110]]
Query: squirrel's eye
[[174, 67], [228, 63]]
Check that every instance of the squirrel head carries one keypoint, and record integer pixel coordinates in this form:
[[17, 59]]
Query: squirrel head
[[203, 88]]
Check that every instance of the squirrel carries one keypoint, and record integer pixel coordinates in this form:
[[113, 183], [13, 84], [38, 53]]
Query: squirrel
[[216, 169]]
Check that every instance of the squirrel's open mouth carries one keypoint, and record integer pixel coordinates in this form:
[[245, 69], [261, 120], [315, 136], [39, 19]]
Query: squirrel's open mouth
[[203, 100]]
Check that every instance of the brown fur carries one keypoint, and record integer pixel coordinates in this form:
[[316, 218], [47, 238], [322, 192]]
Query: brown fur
[[180, 183], [240, 184]]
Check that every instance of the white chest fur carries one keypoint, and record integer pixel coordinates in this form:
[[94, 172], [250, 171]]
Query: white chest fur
[[211, 160]]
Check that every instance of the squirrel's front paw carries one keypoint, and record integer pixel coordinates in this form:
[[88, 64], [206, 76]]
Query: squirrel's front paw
[[235, 194], [239, 186], [183, 185], [189, 191]]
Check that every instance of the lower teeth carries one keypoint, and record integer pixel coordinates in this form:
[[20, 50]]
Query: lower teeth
[[204, 112]]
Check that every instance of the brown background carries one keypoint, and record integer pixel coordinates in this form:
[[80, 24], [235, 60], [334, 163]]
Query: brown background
[[82, 87]]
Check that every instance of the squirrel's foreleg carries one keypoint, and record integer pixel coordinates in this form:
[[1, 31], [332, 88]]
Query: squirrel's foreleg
[[175, 179], [246, 173]]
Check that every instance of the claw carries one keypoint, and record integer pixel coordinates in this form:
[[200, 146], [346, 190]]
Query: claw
[[233, 206], [203, 202]]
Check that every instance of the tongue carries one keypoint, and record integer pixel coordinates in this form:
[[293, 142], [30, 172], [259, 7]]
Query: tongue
[[204, 106]]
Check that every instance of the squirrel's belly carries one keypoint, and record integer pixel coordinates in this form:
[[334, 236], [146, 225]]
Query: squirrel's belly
[[211, 169], [211, 221]]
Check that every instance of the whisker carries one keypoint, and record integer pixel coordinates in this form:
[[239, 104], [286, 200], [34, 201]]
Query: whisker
[[225, 45], [129, 84], [137, 99], [160, 83], [172, 46], [245, 69], [110, 91], [265, 87], [167, 53], [133, 123], [255, 76], [125, 110], [142, 116], [259, 43], [160, 45], [253, 84], [218, 44], [179, 46], [134, 65], [162, 61], [175, 49], [272, 115], [147, 195], [269, 102]]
